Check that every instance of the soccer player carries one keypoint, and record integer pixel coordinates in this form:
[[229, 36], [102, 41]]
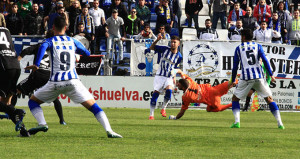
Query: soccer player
[[252, 76], [201, 93], [63, 78], [9, 75], [170, 59], [40, 77]]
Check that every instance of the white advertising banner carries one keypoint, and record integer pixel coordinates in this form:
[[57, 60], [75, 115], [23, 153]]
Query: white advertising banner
[[136, 92], [206, 59], [141, 63]]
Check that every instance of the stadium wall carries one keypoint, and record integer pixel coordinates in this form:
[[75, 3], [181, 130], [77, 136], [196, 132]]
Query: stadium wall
[[135, 92]]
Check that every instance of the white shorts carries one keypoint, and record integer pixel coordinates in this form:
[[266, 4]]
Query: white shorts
[[161, 82], [260, 85], [74, 89]]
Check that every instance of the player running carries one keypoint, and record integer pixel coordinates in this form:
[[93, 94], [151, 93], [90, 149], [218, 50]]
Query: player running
[[63, 78], [170, 59], [252, 76], [201, 93]]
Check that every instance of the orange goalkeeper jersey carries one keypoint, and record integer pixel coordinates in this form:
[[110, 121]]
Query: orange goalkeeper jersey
[[195, 93]]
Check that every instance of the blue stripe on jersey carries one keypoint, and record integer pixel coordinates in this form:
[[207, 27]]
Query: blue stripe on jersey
[[259, 74], [70, 47], [63, 76], [69, 75], [253, 72], [248, 73], [55, 38], [64, 48], [262, 72], [74, 70], [57, 47], [56, 76], [61, 38], [69, 39]]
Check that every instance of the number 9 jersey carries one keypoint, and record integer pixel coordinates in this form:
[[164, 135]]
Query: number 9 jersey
[[62, 51]]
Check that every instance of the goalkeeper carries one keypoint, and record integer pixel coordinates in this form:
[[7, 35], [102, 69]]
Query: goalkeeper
[[201, 93]]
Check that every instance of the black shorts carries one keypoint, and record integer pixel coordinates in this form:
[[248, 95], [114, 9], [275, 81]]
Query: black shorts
[[8, 81], [34, 81]]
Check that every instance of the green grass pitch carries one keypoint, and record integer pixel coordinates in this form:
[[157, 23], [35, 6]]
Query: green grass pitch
[[197, 135]]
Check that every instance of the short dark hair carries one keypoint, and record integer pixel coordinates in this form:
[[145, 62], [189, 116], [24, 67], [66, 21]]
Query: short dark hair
[[147, 25], [240, 20], [59, 23], [247, 33], [207, 20], [184, 83], [59, 8], [80, 23], [174, 37], [237, 3], [49, 34]]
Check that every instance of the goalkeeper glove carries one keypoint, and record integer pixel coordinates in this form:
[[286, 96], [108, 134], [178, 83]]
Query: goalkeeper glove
[[172, 117]]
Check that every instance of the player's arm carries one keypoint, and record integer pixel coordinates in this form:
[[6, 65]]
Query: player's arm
[[178, 116], [152, 47], [81, 49], [265, 61], [32, 50], [236, 62]]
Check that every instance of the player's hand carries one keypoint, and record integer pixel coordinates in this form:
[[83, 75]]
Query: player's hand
[[172, 117], [31, 67], [159, 37], [273, 79]]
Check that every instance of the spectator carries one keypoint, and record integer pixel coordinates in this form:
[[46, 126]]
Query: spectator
[[88, 22], [49, 5], [34, 22], [192, 9], [146, 33], [113, 24], [24, 7], [243, 4], [264, 34], [58, 4], [262, 12], [99, 19], [82, 32], [163, 33], [5, 7], [235, 14], [208, 33], [293, 29], [219, 11], [74, 11], [150, 3], [234, 32], [296, 3], [50, 19], [249, 21], [105, 5], [143, 13], [276, 26], [120, 7], [164, 16], [14, 21], [132, 24], [284, 17], [2, 20], [174, 5]]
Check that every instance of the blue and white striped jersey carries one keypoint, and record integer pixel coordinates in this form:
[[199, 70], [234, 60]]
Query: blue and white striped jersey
[[62, 57], [168, 60], [249, 54]]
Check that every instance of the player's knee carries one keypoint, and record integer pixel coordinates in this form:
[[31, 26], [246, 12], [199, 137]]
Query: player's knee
[[168, 94], [33, 104], [154, 98], [234, 98], [95, 109]]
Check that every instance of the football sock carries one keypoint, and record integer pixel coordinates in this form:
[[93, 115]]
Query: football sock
[[275, 111], [236, 111], [100, 116], [153, 103], [37, 112], [167, 98], [58, 108]]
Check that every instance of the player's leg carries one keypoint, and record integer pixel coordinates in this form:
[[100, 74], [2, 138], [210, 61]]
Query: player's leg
[[59, 111], [264, 90], [240, 93], [168, 85], [158, 85], [248, 99], [79, 94], [47, 93]]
